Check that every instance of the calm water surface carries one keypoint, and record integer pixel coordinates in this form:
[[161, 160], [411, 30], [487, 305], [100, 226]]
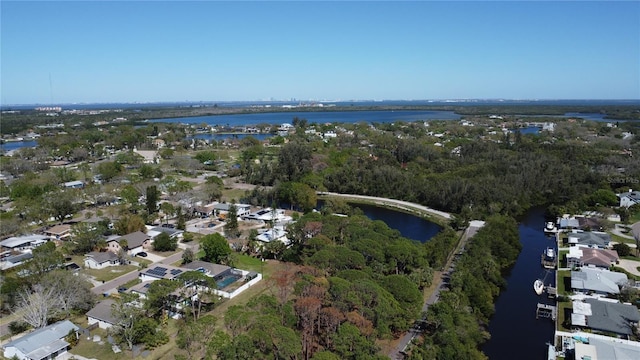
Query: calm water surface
[[515, 332], [316, 117], [411, 227]]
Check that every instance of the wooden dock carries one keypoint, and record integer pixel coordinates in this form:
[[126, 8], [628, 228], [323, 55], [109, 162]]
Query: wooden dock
[[546, 311]]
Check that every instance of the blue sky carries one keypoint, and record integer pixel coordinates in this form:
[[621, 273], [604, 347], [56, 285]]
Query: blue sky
[[107, 51]]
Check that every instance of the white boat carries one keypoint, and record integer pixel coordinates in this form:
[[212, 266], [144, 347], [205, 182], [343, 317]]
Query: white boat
[[538, 286], [548, 258], [550, 228], [550, 254]]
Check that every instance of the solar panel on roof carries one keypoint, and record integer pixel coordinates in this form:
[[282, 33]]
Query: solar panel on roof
[[146, 285], [160, 268], [175, 271]]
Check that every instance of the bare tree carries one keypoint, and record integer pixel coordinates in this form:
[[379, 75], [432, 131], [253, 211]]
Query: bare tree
[[36, 305]]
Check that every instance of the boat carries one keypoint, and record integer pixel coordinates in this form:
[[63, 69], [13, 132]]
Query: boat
[[538, 286], [549, 258], [550, 228]]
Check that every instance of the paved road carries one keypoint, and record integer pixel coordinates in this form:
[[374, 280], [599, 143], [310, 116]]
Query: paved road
[[474, 226], [403, 205]]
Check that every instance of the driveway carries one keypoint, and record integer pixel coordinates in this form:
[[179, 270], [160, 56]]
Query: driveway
[[630, 266], [154, 258]]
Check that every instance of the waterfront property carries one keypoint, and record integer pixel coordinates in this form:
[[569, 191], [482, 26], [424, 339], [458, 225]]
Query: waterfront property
[[605, 316], [599, 281], [592, 239], [580, 256]]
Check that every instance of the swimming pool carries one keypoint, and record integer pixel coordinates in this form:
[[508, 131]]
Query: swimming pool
[[228, 280]]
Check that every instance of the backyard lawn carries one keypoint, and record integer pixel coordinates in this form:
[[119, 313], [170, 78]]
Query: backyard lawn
[[109, 273]]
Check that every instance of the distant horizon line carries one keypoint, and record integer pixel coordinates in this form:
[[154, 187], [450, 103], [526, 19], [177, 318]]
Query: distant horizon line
[[444, 100]]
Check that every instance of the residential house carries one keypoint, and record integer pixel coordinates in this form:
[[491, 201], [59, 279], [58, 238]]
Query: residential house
[[101, 260], [592, 239], [629, 198], [268, 214], [276, 233], [204, 211], [223, 208], [44, 343], [599, 281], [140, 289], [154, 231], [567, 222], [136, 242], [600, 347], [7, 262], [74, 184], [209, 269], [21, 243], [605, 316], [149, 156], [102, 315], [585, 256], [59, 232], [160, 272]]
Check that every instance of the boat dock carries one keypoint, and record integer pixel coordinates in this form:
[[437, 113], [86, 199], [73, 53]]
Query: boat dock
[[546, 311]]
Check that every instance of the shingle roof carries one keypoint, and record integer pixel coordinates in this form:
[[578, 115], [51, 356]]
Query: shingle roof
[[134, 239], [59, 229], [212, 269], [602, 281], [44, 338], [101, 257], [613, 317], [103, 311]]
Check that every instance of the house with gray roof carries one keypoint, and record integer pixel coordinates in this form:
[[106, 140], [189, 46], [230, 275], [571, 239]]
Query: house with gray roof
[[101, 260], [14, 260], [592, 239], [209, 269], [26, 242], [605, 316], [136, 242], [597, 281], [44, 343], [102, 315], [629, 198]]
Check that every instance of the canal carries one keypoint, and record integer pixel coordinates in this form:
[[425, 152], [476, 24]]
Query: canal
[[515, 332]]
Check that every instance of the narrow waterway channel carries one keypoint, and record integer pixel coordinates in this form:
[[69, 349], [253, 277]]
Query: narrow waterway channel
[[515, 331]]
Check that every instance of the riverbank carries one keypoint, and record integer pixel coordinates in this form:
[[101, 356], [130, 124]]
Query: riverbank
[[437, 216]]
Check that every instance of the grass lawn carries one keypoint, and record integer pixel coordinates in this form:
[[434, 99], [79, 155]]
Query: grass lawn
[[562, 275], [109, 273], [231, 194], [620, 239], [562, 310], [246, 262], [562, 257]]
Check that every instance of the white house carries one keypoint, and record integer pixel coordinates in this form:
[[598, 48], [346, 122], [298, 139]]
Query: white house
[[277, 233], [74, 184], [100, 260], [45, 343], [102, 315], [26, 242], [136, 242], [629, 198]]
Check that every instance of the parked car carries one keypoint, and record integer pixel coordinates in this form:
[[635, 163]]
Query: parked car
[[141, 254]]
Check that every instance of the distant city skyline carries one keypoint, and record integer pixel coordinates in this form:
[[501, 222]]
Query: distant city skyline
[[151, 51]]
